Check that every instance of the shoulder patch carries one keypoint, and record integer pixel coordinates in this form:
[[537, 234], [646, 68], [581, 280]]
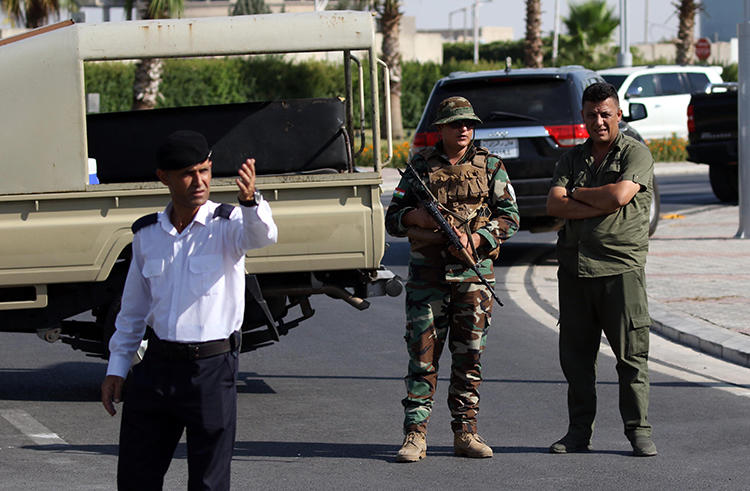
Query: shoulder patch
[[224, 210], [144, 221]]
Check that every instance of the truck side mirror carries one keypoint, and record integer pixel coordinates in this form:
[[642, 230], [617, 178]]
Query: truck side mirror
[[637, 112]]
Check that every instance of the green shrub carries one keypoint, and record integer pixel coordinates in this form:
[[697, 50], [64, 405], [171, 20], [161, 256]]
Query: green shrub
[[113, 81], [672, 149], [206, 81]]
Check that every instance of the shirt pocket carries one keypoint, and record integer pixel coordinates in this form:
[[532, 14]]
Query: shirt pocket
[[206, 271], [153, 271]]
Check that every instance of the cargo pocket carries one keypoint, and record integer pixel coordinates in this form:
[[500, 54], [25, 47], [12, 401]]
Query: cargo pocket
[[638, 335]]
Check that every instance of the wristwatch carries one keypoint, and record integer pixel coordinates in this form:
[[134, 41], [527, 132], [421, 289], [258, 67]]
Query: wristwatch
[[254, 201], [572, 192]]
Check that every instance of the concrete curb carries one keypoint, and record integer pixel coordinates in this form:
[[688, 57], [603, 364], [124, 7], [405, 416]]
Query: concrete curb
[[703, 336]]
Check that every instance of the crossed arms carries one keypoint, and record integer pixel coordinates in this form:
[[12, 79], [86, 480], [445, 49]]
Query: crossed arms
[[590, 202]]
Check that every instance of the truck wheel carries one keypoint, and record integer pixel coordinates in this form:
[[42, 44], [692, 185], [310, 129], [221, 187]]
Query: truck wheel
[[653, 212], [724, 182]]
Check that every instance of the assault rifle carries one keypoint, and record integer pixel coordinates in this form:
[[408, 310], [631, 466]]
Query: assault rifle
[[428, 201]]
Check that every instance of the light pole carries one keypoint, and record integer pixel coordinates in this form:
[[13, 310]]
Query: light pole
[[743, 110], [556, 35], [450, 22], [476, 28], [624, 58]]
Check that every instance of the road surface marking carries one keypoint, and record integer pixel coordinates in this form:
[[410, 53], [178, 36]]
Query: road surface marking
[[33, 429]]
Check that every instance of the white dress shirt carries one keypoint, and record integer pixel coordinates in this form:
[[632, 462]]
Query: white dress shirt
[[188, 286]]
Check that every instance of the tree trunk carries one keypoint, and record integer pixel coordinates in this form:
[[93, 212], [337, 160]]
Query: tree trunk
[[148, 72], [390, 17], [686, 10], [532, 46], [38, 12]]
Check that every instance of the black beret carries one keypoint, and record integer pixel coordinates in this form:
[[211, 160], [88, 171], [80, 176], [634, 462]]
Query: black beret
[[183, 148]]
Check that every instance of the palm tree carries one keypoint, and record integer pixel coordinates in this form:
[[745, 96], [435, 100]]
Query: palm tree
[[390, 16], [686, 10], [250, 7], [590, 26], [148, 71], [350, 5], [30, 13], [532, 46]]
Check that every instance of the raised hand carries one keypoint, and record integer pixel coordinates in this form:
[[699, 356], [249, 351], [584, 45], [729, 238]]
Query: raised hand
[[246, 181]]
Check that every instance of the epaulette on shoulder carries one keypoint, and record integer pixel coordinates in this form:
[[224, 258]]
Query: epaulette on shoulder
[[144, 221], [224, 210]]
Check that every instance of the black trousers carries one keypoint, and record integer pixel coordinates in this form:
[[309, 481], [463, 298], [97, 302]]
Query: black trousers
[[162, 399]]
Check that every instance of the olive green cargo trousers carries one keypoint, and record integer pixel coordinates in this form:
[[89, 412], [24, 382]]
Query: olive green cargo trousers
[[618, 306]]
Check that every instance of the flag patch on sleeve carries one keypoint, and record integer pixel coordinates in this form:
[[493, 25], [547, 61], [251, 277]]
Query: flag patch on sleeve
[[398, 193]]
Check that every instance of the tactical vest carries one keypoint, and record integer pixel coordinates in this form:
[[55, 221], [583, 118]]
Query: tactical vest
[[463, 190]]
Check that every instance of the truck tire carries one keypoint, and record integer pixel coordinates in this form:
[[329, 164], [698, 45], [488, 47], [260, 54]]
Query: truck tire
[[653, 213], [724, 182]]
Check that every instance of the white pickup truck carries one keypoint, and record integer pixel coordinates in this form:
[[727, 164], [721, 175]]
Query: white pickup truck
[[65, 242]]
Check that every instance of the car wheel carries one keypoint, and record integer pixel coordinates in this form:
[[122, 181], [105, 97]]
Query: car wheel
[[724, 182], [653, 212]]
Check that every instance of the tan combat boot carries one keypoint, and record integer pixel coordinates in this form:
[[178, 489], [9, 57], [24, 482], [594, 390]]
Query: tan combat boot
[[470, 445], [414, 447]]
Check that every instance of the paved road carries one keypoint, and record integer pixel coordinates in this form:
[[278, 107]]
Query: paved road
[[320, 410]]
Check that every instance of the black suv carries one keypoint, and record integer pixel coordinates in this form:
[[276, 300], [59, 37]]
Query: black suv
[[531, 116]]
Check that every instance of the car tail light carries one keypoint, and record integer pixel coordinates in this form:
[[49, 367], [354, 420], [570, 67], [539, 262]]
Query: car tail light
[[424, 139], [691, 119], [568, 135]]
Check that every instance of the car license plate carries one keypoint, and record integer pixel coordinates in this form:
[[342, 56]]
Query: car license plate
[[506, 148]]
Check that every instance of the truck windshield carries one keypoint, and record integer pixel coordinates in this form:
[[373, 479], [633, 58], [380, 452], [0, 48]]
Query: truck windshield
[[521, 101]]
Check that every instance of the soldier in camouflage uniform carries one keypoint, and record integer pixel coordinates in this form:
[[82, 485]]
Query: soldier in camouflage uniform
[[444, 298]]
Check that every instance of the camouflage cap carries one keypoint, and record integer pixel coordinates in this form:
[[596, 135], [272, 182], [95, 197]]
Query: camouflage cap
[[455, 109]]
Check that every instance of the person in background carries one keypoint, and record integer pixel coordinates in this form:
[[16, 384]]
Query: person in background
[[602, 188]]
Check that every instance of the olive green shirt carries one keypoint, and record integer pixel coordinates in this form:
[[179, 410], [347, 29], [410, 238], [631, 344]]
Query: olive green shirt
[[614, 243]]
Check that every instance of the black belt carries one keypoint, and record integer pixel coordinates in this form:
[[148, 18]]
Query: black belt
[[171, 350]]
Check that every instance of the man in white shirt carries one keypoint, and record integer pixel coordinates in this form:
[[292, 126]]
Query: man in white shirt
[[187, 282]]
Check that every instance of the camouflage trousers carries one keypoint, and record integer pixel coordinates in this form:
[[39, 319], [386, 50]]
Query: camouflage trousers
[[460, 313]]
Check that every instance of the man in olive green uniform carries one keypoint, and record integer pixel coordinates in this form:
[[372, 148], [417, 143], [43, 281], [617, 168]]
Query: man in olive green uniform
[[603, 188], [444, 298]]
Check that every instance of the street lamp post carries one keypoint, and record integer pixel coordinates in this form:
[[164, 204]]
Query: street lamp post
[[624, 58], [556, 35], [743, 115], [476, 31], [450, 22]]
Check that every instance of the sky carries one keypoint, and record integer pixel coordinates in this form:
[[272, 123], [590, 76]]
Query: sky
[[433, 14]]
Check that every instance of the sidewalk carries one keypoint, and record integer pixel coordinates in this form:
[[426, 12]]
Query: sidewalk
[[697, 279], [697, 275]]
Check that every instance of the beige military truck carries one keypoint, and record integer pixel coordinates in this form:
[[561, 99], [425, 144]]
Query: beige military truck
[[65, 228]]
